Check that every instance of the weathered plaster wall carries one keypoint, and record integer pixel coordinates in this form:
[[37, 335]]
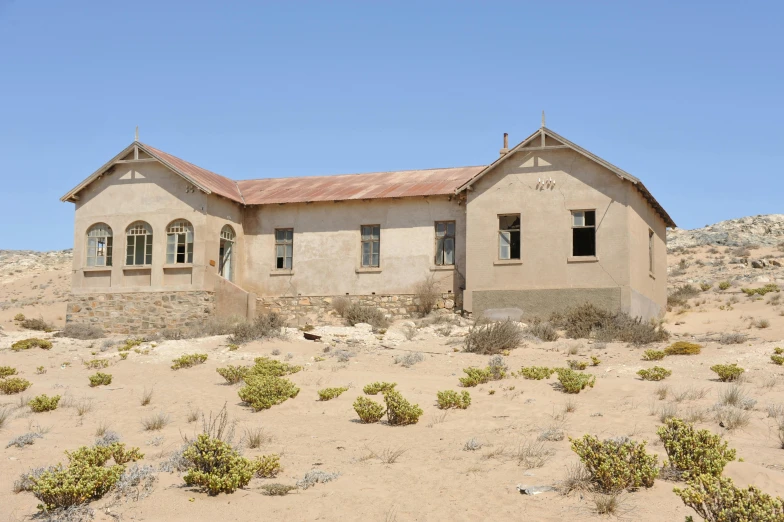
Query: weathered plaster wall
[[541, 303], [649, 295]]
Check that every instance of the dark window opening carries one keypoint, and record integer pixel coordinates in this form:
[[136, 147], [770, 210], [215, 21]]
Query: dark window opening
[[509, 237], [584, 233]]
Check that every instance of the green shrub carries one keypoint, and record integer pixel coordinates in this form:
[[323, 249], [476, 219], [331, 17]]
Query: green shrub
[[6, 371], [97, 364], [616, 464], [574, 382], [778, 359], [188, 360], [273, 368], [653, 355], [399, 411], [262, 392], [37, 324], [378, 387], [475, 376], [265, 326], [215, 467], [727, 372], [100, 379], [716, 499], [693, 452], [330, 393], [44, 403], [451, 399], [683, 348], [493, 337], [577, 365], [129, 343], [19, 317], [26, 344], [234, 374], [588, 320], [12, 385], [536, 372], [277, 490], [723, 285], [123, 356], [369, 411], [705, 286], [657, 373], [373, 316], [267, 466], [778, 350], [595, 361], [770, 287]]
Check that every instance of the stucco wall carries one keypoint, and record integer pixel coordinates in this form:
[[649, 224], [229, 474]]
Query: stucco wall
[[541, 303], [326, 260], [546, 235], [652, 285]]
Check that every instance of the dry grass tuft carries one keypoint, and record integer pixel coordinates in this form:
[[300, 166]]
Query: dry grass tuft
[[155, 422], [532, 454], [146, 397]]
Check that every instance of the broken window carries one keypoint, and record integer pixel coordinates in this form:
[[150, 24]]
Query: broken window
[[509, 236], [284, 248], [226, 253], [583, 233], [99, 245], [445, 243], [138, 247], [179, 242], [650, 250], [371, 245]]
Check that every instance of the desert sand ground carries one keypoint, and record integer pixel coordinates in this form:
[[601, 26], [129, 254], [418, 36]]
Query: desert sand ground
[[434, 478]]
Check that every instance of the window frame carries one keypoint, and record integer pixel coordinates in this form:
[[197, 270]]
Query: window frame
[[371, 241], [181, 238], [650, 251], [288, 245], [108, 243], [502, 231], [132, 244], [574, 227], [442, 239]]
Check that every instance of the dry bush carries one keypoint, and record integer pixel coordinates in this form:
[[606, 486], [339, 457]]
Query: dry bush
[[736, 396], [387, 455], [588, 320], [681, 295], [81, 331], [607, 504], [5, 413], [146, 397], [265, 326], [410, 359], [375, 317], [542, 330], [340, 305], [255, 438], [733, 338], [578, 478], [426, 292], [37, 324], [732, 418], [493, 338], [155, 422], [532, 454]]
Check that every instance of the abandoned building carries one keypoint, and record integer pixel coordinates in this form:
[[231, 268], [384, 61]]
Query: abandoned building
[[160, 242]]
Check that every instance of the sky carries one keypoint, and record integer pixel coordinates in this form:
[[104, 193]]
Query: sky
[[686, 96]]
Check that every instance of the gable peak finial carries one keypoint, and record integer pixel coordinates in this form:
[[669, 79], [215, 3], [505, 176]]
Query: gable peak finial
[[136, 136], [542, 118]]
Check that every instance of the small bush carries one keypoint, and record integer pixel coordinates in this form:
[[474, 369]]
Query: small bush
[[680, 295], [330, 393], [694, 452], [723, 285], [188, 360], [683, 348], [340, 305], [705, 286], [37, 324], [451, 399], [378, 387], [316, 476], [777, 359], [233, 374], [577, 365], [356, 314], [733, 338], [778, 350], [426, 292], [97, 364], [770, 287], [267, 466], [12, 385], [277, 490], [653, 355], [261, 392], [44, 403], [34, 342], [399, 410], [616, 464], [536, 372], [81, 331], [272, 368], [731, 417], [28, 439], [595, 361], [542, 330], [657, 373], [588, 320], [475, 376], [265, 326], [574, 382], [727, 372], [410, 359], [215, 467], [155, 422], [6, 371], [369, 411], [716, 499], [19, 317], [100, 379], [493, 337]]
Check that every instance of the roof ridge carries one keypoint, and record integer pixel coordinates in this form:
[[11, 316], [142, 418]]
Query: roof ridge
[[364, 173]]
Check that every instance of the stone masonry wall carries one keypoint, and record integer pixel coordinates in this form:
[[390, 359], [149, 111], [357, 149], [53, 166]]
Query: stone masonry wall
[[303, 310], [141, 312]]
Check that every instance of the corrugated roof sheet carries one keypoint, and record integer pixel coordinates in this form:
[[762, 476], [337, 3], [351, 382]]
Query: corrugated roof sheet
[[375, 185]]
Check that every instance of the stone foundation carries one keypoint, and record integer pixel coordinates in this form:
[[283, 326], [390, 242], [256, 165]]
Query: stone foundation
[[318, 309], [141, 312]]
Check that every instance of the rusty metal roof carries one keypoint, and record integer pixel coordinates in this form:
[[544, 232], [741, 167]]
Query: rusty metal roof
[[375, 185]]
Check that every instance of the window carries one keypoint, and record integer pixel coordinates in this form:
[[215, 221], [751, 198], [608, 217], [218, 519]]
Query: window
[[179, 242], [445, 243], [99, 245], [509, 236], [284, 248], [138, 248], [371, 246], [583, 233], [650, 250], [226, 253]]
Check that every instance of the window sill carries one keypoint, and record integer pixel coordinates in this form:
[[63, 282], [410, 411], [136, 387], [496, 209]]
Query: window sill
[[282, 272], [437, 268], [137, 267], [582, 259], [508, 262], [97, 269], [368, 270], [178, 265]]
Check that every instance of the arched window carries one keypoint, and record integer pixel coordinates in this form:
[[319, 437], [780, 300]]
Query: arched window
[[138, 244], [226, 254], [179, 242], [227, 233], [99, 245]]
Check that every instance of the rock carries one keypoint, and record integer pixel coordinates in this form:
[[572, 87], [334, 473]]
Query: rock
[[759, 263], [752, 230], [775, 262], [534, 490]]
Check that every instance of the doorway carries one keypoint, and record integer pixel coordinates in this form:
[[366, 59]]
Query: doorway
[[226, 254]]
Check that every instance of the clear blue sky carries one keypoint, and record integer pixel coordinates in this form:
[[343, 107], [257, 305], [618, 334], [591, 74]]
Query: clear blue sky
[[686, 96]]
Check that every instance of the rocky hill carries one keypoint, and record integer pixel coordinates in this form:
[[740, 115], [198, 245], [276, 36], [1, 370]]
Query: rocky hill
[[767, 230]]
